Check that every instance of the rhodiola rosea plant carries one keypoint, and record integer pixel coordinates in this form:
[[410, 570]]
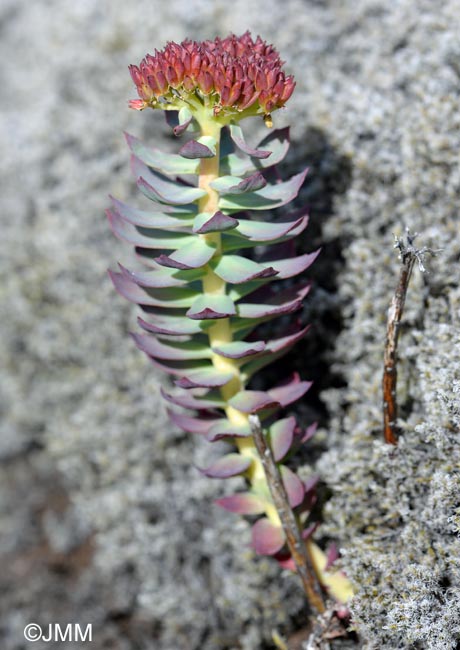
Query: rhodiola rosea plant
[[215, 270]]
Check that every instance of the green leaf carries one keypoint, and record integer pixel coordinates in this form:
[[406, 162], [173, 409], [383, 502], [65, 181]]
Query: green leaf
[[165, 163], [236, 269], [211, 306], [277, 142], [195, 253], [271, 196], [171, 350], [161, 188], [148, 237], [173, 325], [239, 349]]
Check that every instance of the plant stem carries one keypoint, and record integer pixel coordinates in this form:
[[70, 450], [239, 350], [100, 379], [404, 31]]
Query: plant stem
[[221, 331]]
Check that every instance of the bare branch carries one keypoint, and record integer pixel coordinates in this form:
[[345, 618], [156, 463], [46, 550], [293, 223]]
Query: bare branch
[[295, 542], [408, 255]]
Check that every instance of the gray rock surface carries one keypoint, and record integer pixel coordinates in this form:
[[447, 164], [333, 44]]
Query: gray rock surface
[[104, 516]]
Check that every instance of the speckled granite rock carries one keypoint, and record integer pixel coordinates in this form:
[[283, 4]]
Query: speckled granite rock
[[376, 115]]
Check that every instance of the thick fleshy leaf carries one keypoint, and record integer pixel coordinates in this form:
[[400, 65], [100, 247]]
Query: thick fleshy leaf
[[309, 432], [267, 539], [276, 141], [173, 325], [179, 121], [167, 217], [226, 429], [161, 188], [271, 196], [219, 222], [165, 163], [189, 401], [251, 183], [195, 254], [332, 556], [237, 136], [162, 277], [200, 425], [205, 378], [294, 486], [281, 437], [286, 342], [252, 401], [243, 503], [211, 306], [146, 237], [290, 391], [236, 269], [229, 465], [172, 350], [239, 349], [204, 147], [274, 303], [295, 265], [254, 310], [261, 231], [176, 298]]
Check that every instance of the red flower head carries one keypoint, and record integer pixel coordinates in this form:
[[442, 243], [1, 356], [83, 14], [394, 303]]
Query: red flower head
[[231, 75]]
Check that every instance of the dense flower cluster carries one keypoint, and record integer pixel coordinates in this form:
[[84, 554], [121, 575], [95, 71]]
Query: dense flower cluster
[[235, 73]]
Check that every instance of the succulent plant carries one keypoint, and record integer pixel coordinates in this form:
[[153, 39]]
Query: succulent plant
[[216, 273]]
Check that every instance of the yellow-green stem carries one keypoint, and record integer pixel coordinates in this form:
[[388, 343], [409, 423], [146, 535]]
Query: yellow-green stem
[[221, 332]]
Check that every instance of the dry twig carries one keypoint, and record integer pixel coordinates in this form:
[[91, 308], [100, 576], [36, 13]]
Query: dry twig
[[296, 544], [408, 255]]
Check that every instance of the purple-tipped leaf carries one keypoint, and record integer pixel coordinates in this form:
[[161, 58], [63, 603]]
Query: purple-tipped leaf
[[189, 424], [205, 378], [271, 196], [164, 216], [252, 183], [252, 401], [332, 556], [175, 298], [260, 231], [172, 325], [242, 503], [290, 267], [163, 189], [189, 401], [229, 465], [286, 342], [147, 238], [277, 142], [293, 485], [226, 429], [219, 222], [239, 349], [309, 432], [250, 310], [161, 277], [281, 437], [179, 121], [204, 147], [236, 269], [195, 254], [165, 163], [237, 136], [291, 391], [171, 350], [267, 539], [211, 306]]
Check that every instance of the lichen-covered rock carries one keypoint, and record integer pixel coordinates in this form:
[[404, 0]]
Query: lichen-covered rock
[[375, 112]]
